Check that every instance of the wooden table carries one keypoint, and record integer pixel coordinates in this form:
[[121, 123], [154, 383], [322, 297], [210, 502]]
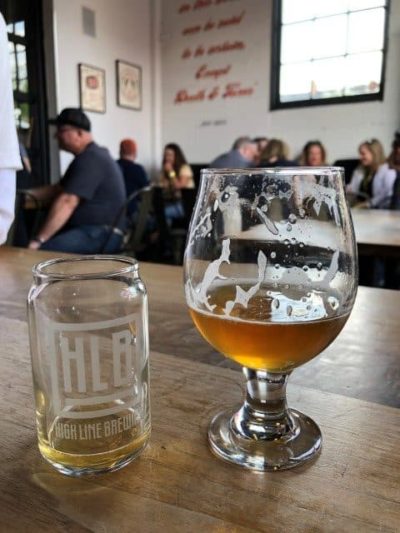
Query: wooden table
[[377, 231], [177, 485]]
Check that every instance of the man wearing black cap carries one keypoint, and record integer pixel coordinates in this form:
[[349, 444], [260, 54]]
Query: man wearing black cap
[[88, 199]]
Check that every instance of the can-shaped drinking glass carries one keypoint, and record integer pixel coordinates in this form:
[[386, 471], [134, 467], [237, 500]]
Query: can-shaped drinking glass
[[88, 323]]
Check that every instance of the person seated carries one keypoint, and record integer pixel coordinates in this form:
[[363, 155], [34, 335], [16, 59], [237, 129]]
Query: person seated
[[10, 160], [276, 154], [87, 201], [394, 163], [373, 180], [261, 143], [135, 176], [392, 265], [313, 155], [242, 155], [176, 175]]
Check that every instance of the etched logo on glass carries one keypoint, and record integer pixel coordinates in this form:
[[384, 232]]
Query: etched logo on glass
[[93, 366]]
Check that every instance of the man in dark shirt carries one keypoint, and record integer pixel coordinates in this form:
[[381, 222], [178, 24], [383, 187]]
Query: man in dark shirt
[[135, 176], [87, 201]]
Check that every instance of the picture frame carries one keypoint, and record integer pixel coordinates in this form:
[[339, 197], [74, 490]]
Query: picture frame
[[129, 85], [92, 88]]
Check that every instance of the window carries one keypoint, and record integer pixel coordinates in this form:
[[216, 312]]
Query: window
[[328, 51], [24, 20], [19, 72]]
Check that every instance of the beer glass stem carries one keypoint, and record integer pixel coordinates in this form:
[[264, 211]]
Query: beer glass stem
[[264, 415]]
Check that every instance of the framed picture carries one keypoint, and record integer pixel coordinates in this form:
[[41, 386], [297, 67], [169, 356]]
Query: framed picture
[[92, 88], [129, 85]]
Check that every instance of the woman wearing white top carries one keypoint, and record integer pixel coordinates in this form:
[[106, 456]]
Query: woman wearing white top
[[372, 180], [10, 160]]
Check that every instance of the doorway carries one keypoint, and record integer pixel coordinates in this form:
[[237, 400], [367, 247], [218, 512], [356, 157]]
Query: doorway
[[24, 19]]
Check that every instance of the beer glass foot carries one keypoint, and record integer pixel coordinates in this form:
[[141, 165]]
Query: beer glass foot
[[300, 443], [76, 471]]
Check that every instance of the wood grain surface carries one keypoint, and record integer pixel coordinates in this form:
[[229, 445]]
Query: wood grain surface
[[377, 231], [177, 485], [363, 362]]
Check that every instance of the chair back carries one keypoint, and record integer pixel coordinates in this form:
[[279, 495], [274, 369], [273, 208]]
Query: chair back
[[349, 166], [26, 220], [196, 168], [137, 229], [188, 201], [121, 215]]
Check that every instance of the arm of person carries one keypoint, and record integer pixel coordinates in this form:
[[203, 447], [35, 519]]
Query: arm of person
[[45, 194], [10, 160], [185, 178], [356, 179], [7, 201], [144, 180], [383, 187], [59, 214]]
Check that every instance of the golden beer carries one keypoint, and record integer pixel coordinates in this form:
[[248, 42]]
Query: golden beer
[[89, 348], [273, 345], [93, 443]]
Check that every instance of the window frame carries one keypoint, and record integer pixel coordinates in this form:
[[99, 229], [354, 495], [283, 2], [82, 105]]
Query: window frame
[[276, 104]]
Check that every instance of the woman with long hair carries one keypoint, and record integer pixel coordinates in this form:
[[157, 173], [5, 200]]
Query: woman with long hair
[[313, 155], [176, 174], [276, 154], [372, 181]]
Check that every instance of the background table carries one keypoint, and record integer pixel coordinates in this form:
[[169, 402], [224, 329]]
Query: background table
[[177, 484], [377, 231]]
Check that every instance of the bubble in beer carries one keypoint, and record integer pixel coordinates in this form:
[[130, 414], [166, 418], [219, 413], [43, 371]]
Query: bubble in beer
[[275, 303], [292, 218], [225, 197], [289, 310], [333, 302], [272, 255]]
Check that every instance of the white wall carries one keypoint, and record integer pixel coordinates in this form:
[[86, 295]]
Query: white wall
[[208, 127], [123, 31]]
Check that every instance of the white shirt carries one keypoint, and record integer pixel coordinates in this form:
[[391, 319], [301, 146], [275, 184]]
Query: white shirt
[[10, 160], [382, 185]]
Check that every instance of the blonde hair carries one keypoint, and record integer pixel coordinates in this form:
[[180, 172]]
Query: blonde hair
[[378, 154]]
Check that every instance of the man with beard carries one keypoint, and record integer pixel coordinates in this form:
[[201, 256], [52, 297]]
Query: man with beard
[[86, 203]]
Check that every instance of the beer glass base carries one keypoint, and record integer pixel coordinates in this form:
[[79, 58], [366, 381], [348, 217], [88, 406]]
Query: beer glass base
[[297, 447], [74, 471]]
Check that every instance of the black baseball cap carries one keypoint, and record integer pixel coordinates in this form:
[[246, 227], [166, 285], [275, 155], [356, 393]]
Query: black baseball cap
[[72, 116]]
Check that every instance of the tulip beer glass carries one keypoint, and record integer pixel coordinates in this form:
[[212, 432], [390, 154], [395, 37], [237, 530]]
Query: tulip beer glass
[[89, 347], [270, 280]]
